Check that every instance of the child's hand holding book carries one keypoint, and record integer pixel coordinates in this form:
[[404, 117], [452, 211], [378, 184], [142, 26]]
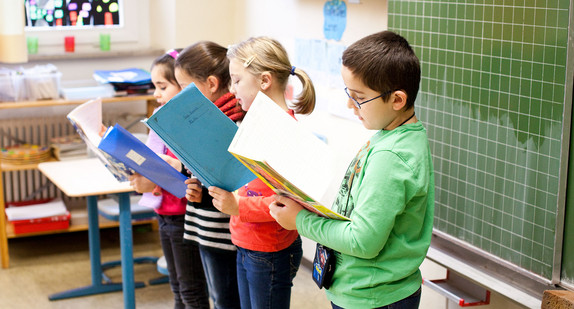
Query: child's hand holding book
[[284, 210]]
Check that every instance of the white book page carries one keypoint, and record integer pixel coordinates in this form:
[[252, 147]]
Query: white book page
[[269, 133], [88, 117]]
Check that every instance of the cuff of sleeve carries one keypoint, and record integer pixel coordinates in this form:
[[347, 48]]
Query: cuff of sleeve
[[241, 210], [301, 216]]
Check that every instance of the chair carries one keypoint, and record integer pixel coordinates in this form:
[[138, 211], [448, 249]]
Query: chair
[[109, 209], [162, 269]]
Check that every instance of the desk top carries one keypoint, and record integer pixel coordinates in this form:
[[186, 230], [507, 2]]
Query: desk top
[[83, 177]]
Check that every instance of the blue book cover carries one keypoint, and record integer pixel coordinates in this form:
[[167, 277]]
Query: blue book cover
[[128, 149], [198, 133], [127, 76]]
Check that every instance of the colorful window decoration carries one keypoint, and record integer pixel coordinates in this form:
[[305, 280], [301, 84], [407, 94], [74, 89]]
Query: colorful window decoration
[[72, 13]]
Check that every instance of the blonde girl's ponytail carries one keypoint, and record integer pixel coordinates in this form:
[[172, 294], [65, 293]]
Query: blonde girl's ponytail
[[264, 54], [305, 101]]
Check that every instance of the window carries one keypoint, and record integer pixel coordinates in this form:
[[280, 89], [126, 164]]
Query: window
[[53, 20], [72, 13]]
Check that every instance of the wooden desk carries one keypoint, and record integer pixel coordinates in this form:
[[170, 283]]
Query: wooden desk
[[90, 178]]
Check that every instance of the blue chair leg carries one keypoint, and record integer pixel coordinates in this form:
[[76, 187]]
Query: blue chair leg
[[162, 269], [159, 280], [137, 260]]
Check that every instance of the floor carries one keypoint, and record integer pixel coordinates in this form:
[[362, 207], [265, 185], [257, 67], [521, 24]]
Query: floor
[[43, 265]]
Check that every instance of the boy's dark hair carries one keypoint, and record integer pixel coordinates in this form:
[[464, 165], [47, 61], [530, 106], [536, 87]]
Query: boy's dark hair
[[203, 59], [167, 62], [385, 61]]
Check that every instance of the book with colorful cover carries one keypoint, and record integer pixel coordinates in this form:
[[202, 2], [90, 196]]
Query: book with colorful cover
[[87, 120], [287, 157], [198, 133], [128, 149]]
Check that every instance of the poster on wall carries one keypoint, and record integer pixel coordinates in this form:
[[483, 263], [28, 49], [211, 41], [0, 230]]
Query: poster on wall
[[335, 15], [45, 14]]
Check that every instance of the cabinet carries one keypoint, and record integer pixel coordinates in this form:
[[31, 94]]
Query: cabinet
[[78, 223]]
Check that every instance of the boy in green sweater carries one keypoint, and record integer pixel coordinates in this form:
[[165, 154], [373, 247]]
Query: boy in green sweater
[[388, 189]]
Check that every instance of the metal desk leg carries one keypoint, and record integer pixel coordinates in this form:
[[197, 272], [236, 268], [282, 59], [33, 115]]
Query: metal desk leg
[[95, 259], [126, 242]]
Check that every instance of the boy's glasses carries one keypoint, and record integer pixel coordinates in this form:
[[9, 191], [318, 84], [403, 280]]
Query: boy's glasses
[[358, 105]]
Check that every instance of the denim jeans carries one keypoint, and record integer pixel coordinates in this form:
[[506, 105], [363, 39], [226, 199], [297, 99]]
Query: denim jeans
[[410, 302], [183, 264], [265, 278], [220, 269]]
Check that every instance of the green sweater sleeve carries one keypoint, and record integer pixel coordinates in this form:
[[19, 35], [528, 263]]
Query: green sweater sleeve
[[379, 193]]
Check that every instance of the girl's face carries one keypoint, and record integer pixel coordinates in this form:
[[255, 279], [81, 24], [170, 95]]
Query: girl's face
[[164, 89], [244, 85], [376, 114], [184, 80]]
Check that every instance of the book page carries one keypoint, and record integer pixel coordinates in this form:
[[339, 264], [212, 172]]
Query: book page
[[270, 134], [88, 118]]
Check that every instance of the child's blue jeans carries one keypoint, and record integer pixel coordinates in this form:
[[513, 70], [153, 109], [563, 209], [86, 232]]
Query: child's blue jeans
[[220, 269], [265, 278]]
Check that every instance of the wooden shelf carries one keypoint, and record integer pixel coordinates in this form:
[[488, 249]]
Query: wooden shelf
[[61, 102]]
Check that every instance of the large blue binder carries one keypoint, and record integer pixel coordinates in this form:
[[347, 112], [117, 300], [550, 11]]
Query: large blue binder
[[126, 148], [198, 133]]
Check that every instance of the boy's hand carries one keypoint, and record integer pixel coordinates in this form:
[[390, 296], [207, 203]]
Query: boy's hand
[[284, 210], [224, 201], [194, 192], [141, 184]]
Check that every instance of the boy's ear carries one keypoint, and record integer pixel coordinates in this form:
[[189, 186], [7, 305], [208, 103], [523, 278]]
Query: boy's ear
[[212, 83], [266, 80], [400, 100]]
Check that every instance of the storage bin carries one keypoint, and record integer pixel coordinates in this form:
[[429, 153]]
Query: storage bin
[[53, 223], [42, 85], [11, 86]]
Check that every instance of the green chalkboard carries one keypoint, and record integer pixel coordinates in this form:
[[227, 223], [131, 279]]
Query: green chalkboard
[[494, 79]]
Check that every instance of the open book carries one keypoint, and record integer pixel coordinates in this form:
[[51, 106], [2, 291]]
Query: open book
[[287, 157], [198, 133], [87, 120], [128, 149]]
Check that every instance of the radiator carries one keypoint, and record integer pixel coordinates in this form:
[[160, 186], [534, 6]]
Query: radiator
[[31, 184]]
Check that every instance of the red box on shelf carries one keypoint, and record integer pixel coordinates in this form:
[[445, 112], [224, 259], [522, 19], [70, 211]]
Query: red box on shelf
[[53, 223]]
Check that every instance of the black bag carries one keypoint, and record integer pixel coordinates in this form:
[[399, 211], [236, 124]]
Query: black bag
[[323, 266]]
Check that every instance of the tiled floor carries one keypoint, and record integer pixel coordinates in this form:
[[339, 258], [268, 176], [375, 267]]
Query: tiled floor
[[44, 265]]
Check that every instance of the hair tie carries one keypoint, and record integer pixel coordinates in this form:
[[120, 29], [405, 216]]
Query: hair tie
[[173, 53], [292, 70]]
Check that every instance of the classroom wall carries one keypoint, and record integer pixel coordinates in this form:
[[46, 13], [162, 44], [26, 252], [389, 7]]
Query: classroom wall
[[179, 23]]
